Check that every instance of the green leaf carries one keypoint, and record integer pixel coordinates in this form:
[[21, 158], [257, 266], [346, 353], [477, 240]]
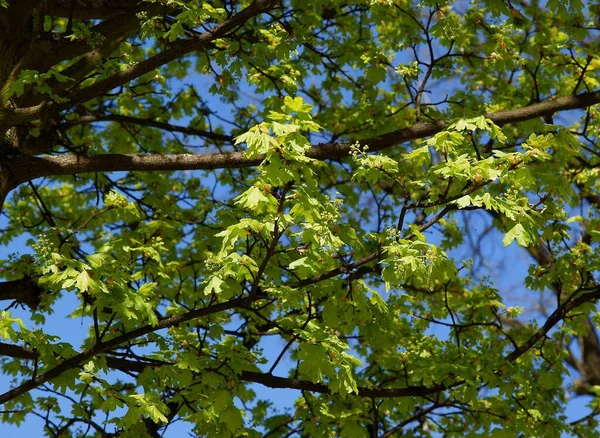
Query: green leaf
[[147, 288], [421, 156], [298, 263], [463, 201], [222, 399], [213, 286], [255, 199], [97, 260], [234, 420], [296, 104], [517, 232], [83, 281], [296, 199]]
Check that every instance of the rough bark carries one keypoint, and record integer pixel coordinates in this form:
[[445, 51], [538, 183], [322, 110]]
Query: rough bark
[[24, 291], [35, 167]]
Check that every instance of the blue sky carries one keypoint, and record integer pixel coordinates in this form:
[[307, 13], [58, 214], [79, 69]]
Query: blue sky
[[507, 267]]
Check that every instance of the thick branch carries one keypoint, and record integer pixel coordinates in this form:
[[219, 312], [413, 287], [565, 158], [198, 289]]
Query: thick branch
[[102, 347], [88, 9], [16, 351], [589, 343], [113, 29], [117, 363], [558, 315], [286, 383], [6, 185], [28, 167], [35, 167], [176, 50], [24, 291], [422, 130], [249, 376]]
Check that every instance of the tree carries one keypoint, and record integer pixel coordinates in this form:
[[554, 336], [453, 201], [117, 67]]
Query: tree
[[203, 178]]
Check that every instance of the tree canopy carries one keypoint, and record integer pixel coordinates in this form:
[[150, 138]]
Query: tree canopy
[[390, 208]]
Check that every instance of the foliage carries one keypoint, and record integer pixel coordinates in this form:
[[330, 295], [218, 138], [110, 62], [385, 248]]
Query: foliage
[[303, 195]]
